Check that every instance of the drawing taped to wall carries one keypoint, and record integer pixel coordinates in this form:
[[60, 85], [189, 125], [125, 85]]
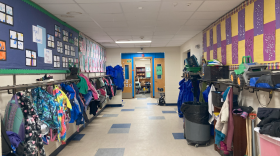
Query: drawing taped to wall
[[3, 55], [37, 34], [31, 58], [48, 56], [16, 40]]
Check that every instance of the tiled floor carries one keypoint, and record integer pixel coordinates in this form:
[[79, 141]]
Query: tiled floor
[[145, 131]]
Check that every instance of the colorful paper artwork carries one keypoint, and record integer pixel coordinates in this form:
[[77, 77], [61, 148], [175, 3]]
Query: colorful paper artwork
[[249, 43], [59, 47], [50, 41], [208, 53], [241, 25], [219, 37], [31, 58], [235, 50], [211, 39], [9, 10], [228, 31], [6, 14], [2, 7], [2, 17], [215, 49], [258, 17], [224, 52], [277, 12], [3, 54], [48, 56], [269, 41]]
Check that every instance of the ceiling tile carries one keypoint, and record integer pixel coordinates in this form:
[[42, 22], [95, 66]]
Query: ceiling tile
[[76, 18], [182, 37], [139, 33], [188, 32], [167, 28], [171, 23], [115, 24], [108, 17], [200, 22], [121, 38], [207, 15], [219, 5], [180, 6], [144, 23], [165, 33], [163, 37], [142, 45], [146, 6], [102, 8], [147, 28], [145, 38], [61, 8], [52, 1], [193, 27], [125, 29], [174, 15], [141, 16], [84, 24]]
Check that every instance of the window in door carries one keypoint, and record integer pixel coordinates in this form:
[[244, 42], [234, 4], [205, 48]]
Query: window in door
[[159, 71], [126, 68]]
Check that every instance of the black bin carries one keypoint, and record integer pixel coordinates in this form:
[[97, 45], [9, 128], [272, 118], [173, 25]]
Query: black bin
[[213, 73]]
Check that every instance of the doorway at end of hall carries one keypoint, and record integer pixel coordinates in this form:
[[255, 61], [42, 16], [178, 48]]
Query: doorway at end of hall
[[143, 77]]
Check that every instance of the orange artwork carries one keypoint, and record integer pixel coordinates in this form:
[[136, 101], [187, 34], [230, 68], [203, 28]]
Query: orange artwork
[[3, 56], [2, 46]]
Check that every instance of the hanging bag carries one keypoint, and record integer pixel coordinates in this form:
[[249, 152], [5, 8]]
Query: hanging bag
[[14, 119]]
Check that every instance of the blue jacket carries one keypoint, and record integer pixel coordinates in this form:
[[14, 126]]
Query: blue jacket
[[110, 70], [118, 77]]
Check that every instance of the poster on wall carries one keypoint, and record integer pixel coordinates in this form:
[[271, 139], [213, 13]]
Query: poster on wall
[[48, 56], [37, 34]]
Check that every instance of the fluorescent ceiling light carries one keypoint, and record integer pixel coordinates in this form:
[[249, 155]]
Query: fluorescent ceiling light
[[139, 52], [133, 41]]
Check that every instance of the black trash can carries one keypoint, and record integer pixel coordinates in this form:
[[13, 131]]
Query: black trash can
[[197, 128]]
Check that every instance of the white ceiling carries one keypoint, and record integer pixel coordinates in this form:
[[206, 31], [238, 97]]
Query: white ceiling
[[165, 22]]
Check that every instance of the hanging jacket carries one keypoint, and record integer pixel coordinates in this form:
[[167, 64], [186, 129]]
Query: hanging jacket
[[81, 103], [118, 77], [180, 97], [109, 70], [210, 105], [69, 90], [94, 92], [229, 137], [61, 114], [46, 107], [33, 138], [82, 85]]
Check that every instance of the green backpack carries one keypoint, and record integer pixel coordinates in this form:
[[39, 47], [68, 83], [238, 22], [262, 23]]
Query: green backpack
[[14, 119]]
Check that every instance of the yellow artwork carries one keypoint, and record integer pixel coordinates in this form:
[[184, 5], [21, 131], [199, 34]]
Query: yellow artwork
[[234, 24], [223, 30], [229, 54], [205, 55], [277, 45], [249, 17], [241, 50], [269, 11], [215, 35], [258, 48], [211, 54], [219, 54]]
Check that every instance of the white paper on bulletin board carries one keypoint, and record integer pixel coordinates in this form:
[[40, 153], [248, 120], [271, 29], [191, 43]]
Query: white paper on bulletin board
[[37, 34], [48, 56]]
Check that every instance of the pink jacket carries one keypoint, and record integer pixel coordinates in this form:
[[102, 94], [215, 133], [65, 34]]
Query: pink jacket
[[90, 87], [109, 84]]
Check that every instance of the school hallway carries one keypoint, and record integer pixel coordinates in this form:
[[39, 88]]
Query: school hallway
[[139, 128]]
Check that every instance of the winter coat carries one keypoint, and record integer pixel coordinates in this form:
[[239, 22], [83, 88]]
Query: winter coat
[[109, 70], [118, 77], [94, 92]]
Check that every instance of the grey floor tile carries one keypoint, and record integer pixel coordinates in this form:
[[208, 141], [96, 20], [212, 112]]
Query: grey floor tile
[[110, 115], [169, 112], [121, 126], [156, 117], [119, 130], [127, 110], [110, 152]]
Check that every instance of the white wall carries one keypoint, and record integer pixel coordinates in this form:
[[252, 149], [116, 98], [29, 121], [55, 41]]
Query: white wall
[[172, 64], [142, 63], [190, 45]]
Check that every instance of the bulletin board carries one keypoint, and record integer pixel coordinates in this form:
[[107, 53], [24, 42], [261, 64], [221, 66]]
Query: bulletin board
[[32, 39], [92, 56], [250, 29]]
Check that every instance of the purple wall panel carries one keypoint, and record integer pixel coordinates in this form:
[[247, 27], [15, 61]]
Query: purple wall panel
[[269, 41], [241, 25], [219, 37], [235, 50], [228, 30], [277, 12], [215, 51], [204, 43], [211, 39], [249, 43], [224, 52], [258, 17], [208, 53]]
